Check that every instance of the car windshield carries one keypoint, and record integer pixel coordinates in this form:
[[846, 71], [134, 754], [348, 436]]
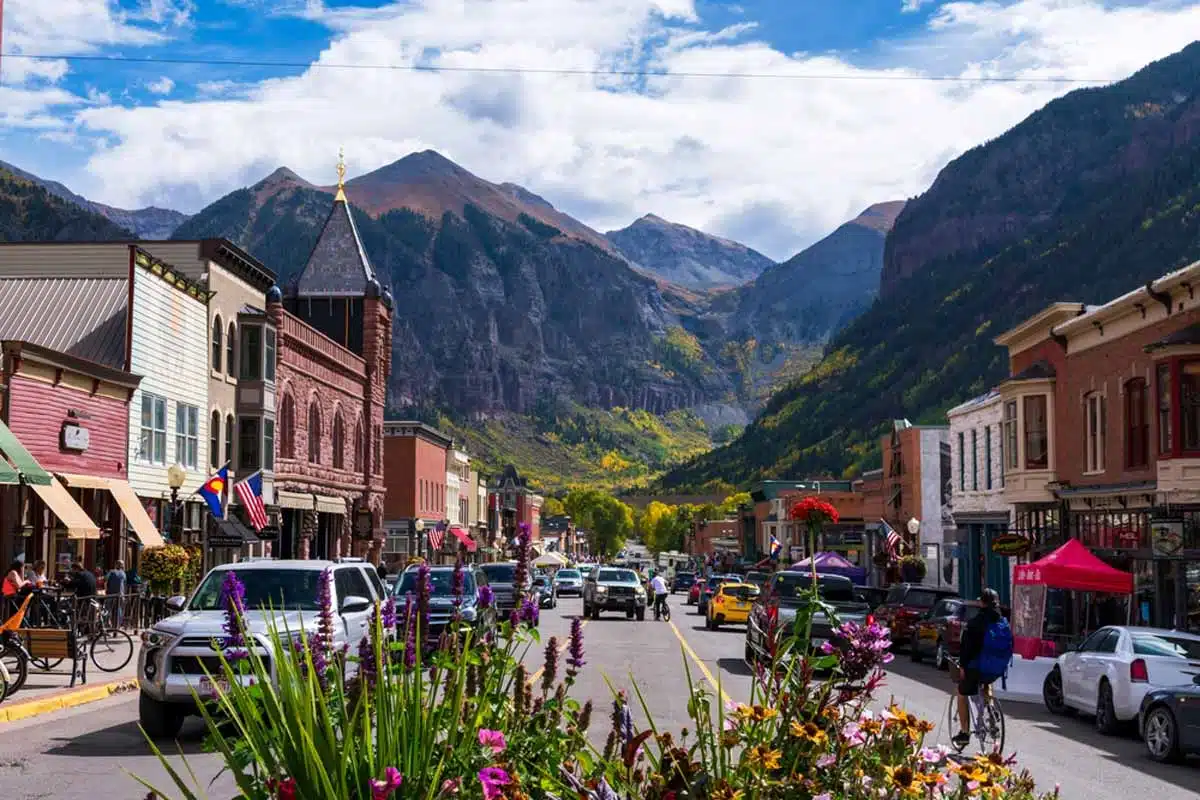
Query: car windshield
[[441, 583], [1149, 644], [500, 573], [757, 578], [272, 589], [568, 573], [541, 580], [791, 588], [921, 598], [617, 576]]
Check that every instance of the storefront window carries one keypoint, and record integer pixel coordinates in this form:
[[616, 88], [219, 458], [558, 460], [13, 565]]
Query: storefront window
[[1189, 405], [1010, 435], [1137, 425], [1164, 408], [1037, 440], [249, 446]]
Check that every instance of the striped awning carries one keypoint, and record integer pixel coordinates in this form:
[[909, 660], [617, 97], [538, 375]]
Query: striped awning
[[56, 497], [21, 463]]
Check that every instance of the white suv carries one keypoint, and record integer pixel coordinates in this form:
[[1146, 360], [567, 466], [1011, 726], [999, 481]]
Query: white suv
[[176, 651]]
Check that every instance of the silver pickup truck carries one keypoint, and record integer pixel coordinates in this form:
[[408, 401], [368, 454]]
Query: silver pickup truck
[[785, 594]]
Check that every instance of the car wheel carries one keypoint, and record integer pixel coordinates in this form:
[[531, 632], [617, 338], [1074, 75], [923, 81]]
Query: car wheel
[[1052, 693], [641, 614], [1162, 735], [914, 651], [1106, 716], [941, 658], [159, 720]]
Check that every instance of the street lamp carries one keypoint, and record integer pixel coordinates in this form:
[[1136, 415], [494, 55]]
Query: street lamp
[[914, 527], [176, 477], [417, 527]]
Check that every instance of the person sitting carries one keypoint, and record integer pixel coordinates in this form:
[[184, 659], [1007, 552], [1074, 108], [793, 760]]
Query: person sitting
[[984, 656], [81, 581]]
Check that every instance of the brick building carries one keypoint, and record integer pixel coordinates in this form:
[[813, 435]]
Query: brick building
[[1102, 437], [334, 329], [715, 536], [414, 458], [513, 502]]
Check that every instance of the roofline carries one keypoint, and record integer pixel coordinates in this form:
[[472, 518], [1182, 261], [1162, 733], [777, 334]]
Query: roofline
[[170, 274], [57, 358], [420, 427], [979, 401], [237, 261], [1037, 320], [1127, 303]]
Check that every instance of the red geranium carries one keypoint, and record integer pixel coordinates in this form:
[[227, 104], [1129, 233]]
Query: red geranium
[[814, 511]]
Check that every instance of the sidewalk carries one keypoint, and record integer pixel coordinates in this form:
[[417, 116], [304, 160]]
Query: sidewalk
[[50, 691]]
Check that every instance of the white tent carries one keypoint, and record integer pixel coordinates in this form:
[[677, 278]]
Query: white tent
[[550, 560]]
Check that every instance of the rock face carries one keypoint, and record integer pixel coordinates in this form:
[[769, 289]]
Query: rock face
[[686, 256], [497, 308], [145, 223]]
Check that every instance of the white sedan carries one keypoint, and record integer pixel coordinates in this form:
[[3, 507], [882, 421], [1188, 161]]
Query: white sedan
[[1113, 669]]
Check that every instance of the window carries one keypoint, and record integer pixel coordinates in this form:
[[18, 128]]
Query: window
[[268, 453], [152, 446], [1097, 417], [249, 446], [187, 435], [1189, 405], [217, 346], [349, 582], [287, 427], [378, 458], [214, 440], [229, 426], [987, 458], [1003, 463], [1137, 424], [269, 357], [339, 443], [230, 350], [251, 352], [974, 460], [962, 463], [314, 433], [359, 444], [1010, 435], [1037, 438], [1165, 442]]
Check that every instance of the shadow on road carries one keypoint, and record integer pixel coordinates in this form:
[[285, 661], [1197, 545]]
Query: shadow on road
[[127, 740], [735, 666]]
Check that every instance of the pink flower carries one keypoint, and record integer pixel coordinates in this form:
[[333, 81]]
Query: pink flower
[[492, 739], [383, 788], [451, 785], [493, 778], [823, 796], [827, 760]]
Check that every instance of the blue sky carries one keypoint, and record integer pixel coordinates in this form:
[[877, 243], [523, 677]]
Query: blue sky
[[774, 161]]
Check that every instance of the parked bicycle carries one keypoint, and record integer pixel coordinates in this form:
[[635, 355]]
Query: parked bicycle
[[987, 717]]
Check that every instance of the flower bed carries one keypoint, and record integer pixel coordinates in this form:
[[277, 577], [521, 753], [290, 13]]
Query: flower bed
[[460, 718]]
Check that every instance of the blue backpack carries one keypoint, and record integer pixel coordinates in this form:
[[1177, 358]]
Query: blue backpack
[[997, 651]]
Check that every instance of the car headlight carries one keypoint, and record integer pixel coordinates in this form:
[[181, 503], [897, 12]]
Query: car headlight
[[469, 614], [640, 592], [601, 590], [155, 638]]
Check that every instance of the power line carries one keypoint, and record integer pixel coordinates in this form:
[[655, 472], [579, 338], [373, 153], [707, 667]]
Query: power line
[[627, 73]]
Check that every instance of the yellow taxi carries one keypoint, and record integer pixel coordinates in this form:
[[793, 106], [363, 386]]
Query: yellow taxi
[[730, 604]]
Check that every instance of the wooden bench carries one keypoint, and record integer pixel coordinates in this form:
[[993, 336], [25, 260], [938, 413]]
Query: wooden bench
[[53, 644]]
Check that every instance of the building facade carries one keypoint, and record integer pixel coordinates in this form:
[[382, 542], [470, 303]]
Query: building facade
[[477, 511], [515, 504], [415, 458]]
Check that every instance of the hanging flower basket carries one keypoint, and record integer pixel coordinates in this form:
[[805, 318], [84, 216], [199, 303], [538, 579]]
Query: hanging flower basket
[[912, 569]]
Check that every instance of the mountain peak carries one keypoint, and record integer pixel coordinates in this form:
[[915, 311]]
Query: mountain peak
[[653, 219], [880, 216], [686, 256]]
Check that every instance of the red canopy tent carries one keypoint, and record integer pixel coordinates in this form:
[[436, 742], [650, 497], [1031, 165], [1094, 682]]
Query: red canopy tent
[[1073, 566]]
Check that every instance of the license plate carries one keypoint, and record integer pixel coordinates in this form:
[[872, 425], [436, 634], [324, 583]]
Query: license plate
[[211, 687]]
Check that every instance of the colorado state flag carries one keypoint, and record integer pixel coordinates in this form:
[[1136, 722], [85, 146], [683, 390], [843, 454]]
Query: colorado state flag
[[212, 490]]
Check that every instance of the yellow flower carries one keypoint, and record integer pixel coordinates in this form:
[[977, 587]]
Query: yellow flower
[[763, 757], [729, 739], [994, 763], [906, 780], [757, 713], [832, 713], [723, 791], [809, 731]]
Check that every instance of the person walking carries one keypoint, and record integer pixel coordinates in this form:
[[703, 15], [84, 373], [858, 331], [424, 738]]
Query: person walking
[[114, 591]]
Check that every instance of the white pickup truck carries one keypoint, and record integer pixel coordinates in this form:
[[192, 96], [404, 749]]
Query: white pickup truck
[[178, 650]]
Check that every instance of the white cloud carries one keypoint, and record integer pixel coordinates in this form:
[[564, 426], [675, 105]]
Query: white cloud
[[163, 85], [909, 6], [779, 161]]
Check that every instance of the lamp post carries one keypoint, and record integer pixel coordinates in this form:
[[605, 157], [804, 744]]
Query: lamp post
[[176, 477], [914, 528], [417, 526]]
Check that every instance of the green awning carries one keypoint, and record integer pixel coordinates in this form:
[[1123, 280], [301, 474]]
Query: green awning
[[7, 474], [24, 463]]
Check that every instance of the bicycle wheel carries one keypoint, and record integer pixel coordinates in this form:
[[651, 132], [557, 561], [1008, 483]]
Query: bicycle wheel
[[16, 664], [991, 733], [666, 612], [112, 650]]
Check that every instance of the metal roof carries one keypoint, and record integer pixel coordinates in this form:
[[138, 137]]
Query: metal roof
[[338, 265], [83, 317]]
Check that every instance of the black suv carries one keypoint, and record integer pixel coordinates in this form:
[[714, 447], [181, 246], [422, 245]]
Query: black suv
[[683, 581], [441, 597]]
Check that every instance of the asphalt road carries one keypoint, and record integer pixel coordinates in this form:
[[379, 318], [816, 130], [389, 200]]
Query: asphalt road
[[92, 751]]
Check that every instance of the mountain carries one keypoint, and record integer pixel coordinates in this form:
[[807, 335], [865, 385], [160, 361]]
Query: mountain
[[686, 256], [1095, 193], [145, 223], [30, 212], [504, 304]]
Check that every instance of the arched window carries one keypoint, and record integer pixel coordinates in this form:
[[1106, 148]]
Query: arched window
[[214, 439], [314, 433], [230, 350], [359, 444], [287, 427], [377, 458], [339, 442], [217, 347], [229, 438]]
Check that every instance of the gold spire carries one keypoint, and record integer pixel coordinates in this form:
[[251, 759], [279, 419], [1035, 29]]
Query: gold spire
[[341, 170]]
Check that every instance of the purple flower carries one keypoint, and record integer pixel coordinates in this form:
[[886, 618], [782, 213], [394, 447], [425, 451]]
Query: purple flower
[[367, 668], [233, 600], [456, 582], [382, 788], [575, 647], [493, 740], [410, 633], [863, 649], [550, 667], [494, 780], [389, 613], [423, 591], [486, 597], [321, 645]]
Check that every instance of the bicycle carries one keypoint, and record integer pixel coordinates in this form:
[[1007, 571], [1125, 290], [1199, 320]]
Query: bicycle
[[665, 613], [987, 717]]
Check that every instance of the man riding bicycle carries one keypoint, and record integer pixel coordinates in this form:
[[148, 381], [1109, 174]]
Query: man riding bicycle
[[985, 653], [659, 586]]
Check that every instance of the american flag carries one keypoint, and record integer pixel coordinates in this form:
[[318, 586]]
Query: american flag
[[249, 494], [437, 537], [893, 539]]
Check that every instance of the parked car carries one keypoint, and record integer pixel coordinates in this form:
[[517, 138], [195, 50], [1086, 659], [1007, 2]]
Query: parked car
[[614, 589], [1110, 673], [1169, 722], [568, 582], [874, 596], [939, 632], [784, 595], [731, 605], [693, 597], [501, 578], [683, 582], [546, 591], [442, 597], [757, 577], [177, 651], [709, 587], [905, 604]]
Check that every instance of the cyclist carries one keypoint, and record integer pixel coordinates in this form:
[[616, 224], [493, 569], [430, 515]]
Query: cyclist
[[660, 589], [986, 650]]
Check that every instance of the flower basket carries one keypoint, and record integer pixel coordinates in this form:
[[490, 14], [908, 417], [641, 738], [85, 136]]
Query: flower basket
[[164, 566], [912, 569]]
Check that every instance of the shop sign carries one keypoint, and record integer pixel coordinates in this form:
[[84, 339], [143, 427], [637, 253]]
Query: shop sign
[[75, 437], [1166, 536], [1010, 544], [224, 540], [269, 533], [843, 538]]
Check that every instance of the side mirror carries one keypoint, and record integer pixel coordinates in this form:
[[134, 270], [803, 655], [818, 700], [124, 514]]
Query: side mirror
[[354, 604], [175, 604]]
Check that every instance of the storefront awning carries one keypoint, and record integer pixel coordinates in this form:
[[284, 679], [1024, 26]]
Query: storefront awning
[[135, 513], [330, 505], [231, 533], [464, 538], [296, 500], [23, 464], [56, 497], [8, 475]]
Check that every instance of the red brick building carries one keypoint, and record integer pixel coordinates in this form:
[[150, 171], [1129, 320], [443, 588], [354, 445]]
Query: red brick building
[[334, 327], [513, 503], [414, 461], [1102, 437]]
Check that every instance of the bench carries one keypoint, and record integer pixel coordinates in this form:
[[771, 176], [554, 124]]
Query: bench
[[57, 644]]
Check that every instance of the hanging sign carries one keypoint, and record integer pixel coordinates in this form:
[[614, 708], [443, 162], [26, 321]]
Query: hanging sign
[[75, 437], [1166, 536], [1010, 544]]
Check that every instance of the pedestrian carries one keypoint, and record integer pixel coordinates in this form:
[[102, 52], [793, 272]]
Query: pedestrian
[[114, 590], [14, 584], [383, 571]]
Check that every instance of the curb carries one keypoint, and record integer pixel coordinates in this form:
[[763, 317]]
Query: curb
[[69, 699]]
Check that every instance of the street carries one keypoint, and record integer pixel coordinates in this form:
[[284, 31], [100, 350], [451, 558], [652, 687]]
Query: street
[[91, 751]]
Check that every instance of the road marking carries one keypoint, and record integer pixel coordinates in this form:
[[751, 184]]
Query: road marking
[[687, 648], [561, 649]]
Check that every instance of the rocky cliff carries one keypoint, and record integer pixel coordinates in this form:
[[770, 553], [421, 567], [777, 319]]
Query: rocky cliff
[[686, 256]]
